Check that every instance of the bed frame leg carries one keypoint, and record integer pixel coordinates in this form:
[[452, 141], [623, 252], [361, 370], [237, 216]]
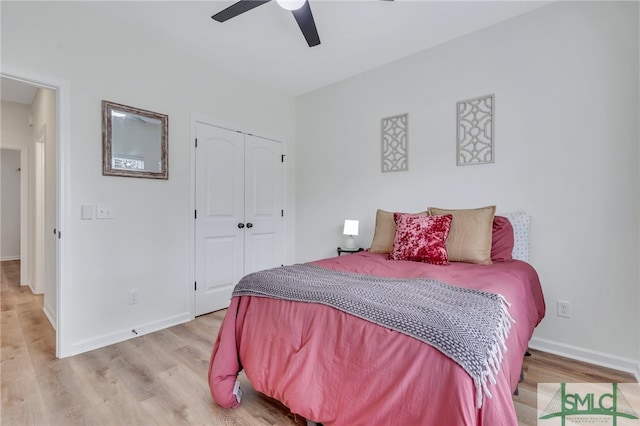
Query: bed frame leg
[[517, 391]]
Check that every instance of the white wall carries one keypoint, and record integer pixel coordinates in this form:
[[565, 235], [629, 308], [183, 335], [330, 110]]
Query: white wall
[[43, 111], [15, 131], [10, 202], [146, 245], [565, 79], [16, 134]]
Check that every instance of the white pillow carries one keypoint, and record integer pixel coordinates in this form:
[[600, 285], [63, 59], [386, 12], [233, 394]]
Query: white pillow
[[520, 223]]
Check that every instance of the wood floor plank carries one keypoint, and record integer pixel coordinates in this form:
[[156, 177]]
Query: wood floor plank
[[196, 359], [147, 355], [161, 378], [22, 404], [105, 392], [186, 396], [166, 339]]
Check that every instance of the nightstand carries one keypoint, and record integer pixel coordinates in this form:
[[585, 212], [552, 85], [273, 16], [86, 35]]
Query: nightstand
[[349, 250]]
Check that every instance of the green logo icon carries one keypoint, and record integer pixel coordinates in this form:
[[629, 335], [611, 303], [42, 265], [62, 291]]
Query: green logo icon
[[588, 406]]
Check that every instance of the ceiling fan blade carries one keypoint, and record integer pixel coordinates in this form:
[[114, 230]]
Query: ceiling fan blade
[[307, 25], [237, 8]]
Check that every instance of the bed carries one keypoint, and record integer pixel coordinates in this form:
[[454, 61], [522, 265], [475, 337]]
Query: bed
[[337, 368]]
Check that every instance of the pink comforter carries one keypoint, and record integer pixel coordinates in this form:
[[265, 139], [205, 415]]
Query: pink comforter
[[333, 368]]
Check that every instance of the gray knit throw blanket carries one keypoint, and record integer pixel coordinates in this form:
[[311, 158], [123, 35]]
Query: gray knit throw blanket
[[467, 325]]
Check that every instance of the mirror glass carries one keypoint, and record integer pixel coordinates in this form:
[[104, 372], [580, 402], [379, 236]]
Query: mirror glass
[[134, 142]]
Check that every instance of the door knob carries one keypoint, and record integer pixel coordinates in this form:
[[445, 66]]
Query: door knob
[[241, 225], [249, 225]]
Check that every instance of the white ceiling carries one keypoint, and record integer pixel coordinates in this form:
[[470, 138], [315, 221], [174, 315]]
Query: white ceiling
[[266, 45]]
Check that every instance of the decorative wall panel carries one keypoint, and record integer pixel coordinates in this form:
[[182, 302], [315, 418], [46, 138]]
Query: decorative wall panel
[[475, 131], [395, 141]]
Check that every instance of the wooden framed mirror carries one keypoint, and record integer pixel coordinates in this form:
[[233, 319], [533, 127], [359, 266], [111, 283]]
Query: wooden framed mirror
[[134, 142]]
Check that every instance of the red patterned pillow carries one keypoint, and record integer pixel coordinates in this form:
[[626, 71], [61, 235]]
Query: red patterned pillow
[[421, 238]]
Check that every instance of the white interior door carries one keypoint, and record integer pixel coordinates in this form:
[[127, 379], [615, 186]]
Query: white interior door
[[263, 204], [219, 251]]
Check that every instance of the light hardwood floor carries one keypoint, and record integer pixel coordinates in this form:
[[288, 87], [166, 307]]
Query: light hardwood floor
[[161, 378]]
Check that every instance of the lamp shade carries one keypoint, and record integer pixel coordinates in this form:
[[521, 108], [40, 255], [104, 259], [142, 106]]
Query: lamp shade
[[350, 227]]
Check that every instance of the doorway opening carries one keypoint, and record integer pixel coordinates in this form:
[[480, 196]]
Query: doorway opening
[[31, 128]]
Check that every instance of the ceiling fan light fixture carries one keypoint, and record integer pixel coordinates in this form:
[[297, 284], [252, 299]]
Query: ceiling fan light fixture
[[291, 4]]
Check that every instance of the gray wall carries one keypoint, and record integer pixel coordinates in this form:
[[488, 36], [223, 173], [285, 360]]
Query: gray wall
[[10, 203]]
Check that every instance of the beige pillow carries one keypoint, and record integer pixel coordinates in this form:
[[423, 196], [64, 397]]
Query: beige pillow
[[469, 238], [385, 232]]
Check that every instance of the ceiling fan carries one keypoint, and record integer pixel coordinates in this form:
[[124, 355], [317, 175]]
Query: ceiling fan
[[300, 9]]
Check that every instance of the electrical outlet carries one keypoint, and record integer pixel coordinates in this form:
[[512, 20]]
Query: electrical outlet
[[104, 211], [564, 309], [134, 297]]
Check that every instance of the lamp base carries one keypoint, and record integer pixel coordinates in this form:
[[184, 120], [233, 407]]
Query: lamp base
[[350, 243]]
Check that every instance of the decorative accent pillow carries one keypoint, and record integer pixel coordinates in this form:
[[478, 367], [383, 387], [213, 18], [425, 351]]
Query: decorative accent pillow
[[501, 239], [421, 238], [520, 223], [385, 232], [470, 236]]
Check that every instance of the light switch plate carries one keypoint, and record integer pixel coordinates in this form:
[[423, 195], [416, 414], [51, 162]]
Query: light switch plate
[[86, 212]]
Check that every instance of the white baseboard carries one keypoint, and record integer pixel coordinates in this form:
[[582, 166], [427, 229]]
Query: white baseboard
[[615, 362], [122, 335], [49, 315], [3, 258]]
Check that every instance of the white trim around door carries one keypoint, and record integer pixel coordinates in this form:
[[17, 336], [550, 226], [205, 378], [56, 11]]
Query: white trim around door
[[63, 111]]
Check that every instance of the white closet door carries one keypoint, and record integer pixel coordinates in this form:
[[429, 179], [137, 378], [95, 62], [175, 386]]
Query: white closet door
[[219, 251], [263, 204]]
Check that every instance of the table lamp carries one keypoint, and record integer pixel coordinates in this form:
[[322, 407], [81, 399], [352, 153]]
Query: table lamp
[[350, 229]]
